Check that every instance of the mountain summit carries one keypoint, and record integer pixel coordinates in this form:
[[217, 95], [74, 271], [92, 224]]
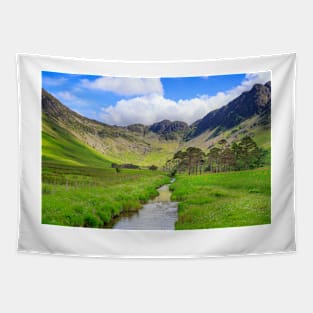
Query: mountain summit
[[170, 130]]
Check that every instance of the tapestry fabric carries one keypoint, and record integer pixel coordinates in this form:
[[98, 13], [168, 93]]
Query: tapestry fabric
[[158, 159]]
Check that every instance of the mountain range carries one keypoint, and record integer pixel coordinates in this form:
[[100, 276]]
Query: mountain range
[[71, 138]]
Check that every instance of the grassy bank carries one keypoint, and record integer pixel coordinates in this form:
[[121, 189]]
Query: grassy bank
[[223, 199], [90, 197]]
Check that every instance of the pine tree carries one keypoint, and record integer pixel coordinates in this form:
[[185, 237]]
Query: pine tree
[[214, 158], [250, 152]]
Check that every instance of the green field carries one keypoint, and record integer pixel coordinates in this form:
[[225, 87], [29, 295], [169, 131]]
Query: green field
[[91, 197], [79, 187], [223, 199]]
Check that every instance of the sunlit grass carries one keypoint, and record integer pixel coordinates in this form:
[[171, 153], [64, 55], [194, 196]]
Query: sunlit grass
[[91, 197], [223, 199]]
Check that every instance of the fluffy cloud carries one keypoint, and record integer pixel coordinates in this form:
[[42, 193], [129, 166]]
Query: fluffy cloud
[[154, 107], [125, 86]]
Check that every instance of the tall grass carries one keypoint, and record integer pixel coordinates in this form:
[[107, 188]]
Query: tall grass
[[91, 197]]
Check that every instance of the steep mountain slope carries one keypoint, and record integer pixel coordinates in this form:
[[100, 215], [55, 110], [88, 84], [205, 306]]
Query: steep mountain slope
[[253, 127], [256, 101], [59, 146]]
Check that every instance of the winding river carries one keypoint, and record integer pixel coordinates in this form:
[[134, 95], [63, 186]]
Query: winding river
[[158, 213]]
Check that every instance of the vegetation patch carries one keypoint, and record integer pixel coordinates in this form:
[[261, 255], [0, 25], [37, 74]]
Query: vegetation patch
[[91, 197], [227, 199]]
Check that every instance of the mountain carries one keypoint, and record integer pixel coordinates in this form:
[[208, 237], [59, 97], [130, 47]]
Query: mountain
[[256, 101], [170, 130], [248, 114], [132, 144], [69, 137]]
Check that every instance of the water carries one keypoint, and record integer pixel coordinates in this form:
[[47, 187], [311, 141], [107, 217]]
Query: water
[[159, 213]]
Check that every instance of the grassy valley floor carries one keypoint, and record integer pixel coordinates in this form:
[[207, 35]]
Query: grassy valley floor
[[223, 199], [91, 197]]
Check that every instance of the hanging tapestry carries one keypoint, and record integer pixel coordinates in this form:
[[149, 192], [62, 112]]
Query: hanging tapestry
[[156, 159]]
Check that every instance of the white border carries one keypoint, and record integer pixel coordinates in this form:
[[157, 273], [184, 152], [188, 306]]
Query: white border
[[277, 237]]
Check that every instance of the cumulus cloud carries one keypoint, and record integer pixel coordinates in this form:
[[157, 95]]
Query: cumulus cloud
[[154, 107], [125, 86]]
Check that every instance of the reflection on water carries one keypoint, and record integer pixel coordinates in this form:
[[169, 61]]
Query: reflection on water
[[159, 213]]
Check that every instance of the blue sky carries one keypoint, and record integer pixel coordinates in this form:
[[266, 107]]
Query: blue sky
[[124, 101]]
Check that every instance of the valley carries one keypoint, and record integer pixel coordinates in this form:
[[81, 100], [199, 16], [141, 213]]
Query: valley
[[93, 172]]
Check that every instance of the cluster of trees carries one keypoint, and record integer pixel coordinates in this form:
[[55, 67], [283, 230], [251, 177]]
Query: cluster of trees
[[222, 157], [128, 165], [118, 167]]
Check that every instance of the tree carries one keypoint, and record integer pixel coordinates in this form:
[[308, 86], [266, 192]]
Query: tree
[[180, 158], [238, 156], [222, 144], [227, 159], [194, 156], [192, 160], [251, 153], [214, 158]]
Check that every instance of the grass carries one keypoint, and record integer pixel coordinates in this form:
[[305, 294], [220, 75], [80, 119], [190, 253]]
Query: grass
[[140, 151], [262, 137], [79, 187], [59, 146], [223, 199], [91, 197]]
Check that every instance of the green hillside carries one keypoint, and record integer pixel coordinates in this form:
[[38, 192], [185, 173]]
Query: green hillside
[[133, 144], [79, 187], [59, 146]]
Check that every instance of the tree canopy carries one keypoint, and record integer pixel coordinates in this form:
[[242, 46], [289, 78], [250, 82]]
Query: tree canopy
[[223, 156]]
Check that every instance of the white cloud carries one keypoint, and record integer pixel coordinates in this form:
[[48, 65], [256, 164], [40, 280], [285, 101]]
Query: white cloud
[[125, 86], [153, 108], [66, 95], [69, 98]]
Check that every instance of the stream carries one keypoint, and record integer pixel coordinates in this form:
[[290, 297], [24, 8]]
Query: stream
[[159, 213]]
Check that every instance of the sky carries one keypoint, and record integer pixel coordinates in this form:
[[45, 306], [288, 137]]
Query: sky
[[123, 101]]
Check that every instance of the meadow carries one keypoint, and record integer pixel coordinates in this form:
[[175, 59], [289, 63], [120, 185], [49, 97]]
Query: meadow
[[80, 187], [91, 197], [228, 199]]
